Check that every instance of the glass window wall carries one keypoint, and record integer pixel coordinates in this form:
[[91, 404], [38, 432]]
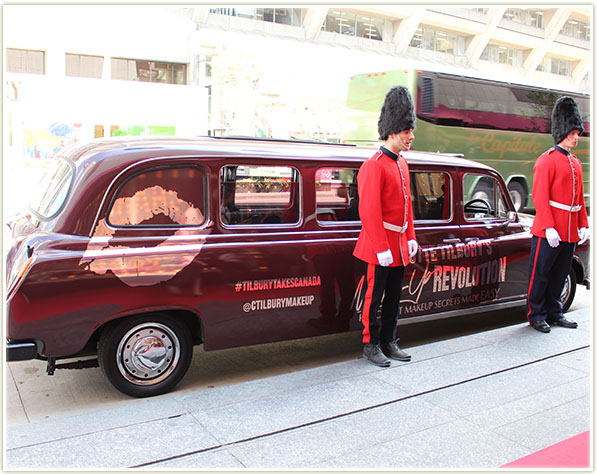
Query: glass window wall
[[24, 60], [577, 29], [352, 24], [526, 16], [502, 54], [80, 65], [435, 40], [148, 71]]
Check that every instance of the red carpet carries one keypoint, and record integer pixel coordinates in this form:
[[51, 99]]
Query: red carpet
[[573, 452]]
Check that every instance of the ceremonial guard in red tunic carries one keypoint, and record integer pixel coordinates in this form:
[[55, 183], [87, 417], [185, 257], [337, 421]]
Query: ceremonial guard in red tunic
[[387, 239], [561, 219]]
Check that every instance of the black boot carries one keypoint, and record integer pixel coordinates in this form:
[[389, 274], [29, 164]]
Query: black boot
[[373, 353], [392, 350]]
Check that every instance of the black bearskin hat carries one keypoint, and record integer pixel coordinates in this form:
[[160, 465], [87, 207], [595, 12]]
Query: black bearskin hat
[[397, 113], [565, 117]]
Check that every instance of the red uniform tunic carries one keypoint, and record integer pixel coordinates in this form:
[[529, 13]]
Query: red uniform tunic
[[384, 197], [558, 195]]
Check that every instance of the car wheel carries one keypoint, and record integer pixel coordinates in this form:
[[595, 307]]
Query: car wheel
[[518, 195], [569, 291], [145, 355]]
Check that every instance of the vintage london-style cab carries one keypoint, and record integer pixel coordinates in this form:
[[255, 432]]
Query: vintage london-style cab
[[137, 250]]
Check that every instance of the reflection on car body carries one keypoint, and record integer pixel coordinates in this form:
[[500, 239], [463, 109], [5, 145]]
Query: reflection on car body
[[138, 249]]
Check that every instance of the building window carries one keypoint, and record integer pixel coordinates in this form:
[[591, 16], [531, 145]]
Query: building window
[[561, 67], [502, 54], [426, 38], [577, 29], [24, 60], [149, 71], [285, 16], [346, 23], [526, 16], [80, 65]]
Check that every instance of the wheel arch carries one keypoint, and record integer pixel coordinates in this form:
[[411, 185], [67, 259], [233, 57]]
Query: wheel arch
[[190, 319]]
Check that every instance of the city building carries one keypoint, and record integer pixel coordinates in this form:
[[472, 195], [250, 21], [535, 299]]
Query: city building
[[75, 72]]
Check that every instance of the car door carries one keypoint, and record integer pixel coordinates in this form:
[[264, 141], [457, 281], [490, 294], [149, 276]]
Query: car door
[[497, 243], [431, 282]]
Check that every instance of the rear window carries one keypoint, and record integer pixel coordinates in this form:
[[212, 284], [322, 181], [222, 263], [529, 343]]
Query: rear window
[[53, 189], [164, 197]]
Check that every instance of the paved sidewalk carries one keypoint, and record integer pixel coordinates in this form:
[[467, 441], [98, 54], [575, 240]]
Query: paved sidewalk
[[479, 401]]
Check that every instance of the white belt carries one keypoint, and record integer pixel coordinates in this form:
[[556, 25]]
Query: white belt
[[395, 228], [564, 207]]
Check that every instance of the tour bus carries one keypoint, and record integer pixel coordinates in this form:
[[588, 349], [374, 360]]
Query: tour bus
[[506, 126]]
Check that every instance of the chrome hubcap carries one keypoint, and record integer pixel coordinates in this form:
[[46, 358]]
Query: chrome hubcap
[[148, 353], [566, 291], [516, 199]]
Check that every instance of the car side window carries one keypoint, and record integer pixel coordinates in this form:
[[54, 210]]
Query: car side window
[[430, 192], [483, 197], [165, 197], [259, 195], [336, 194]]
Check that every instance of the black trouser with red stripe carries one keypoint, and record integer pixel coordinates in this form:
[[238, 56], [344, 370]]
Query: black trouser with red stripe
[[548, 268], [380, 284]]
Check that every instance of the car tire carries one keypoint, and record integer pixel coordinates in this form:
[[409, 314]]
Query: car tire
[[569, 291], [518, 195], [146, 355]]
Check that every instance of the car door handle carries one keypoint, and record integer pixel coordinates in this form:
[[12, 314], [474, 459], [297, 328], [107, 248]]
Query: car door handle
[[471, 239], [452, 241]]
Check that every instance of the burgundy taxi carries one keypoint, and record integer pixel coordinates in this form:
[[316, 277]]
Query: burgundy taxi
[[135, 250]]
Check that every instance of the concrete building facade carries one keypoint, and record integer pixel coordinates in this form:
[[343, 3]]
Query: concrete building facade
[[75, 72]]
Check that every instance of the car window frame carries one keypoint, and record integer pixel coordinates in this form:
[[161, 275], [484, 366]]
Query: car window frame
[[326, 224], [158, 167], [451, 196], [266, 226], [504, 192]]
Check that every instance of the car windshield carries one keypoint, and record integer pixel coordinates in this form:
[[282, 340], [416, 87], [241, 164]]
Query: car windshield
[[51, 192]]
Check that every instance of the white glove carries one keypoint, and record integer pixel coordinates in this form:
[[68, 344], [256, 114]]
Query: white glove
[[552, 236], [413, 246], [583, 235], [385, 258]]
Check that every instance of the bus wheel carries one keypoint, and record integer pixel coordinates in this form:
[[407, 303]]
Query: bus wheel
[[569, 291], [518, 195], [145, 355]]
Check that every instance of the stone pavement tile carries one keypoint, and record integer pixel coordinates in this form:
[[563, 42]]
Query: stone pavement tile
[[499, 389], [579, 360], [267, 387], [14, 413], [536, 403], [213, 459], [446, 347], [543, 429], [115, 448], [256, 417], [455, 445], [68, 427], [311, 446], [535, 343], [417, 377]]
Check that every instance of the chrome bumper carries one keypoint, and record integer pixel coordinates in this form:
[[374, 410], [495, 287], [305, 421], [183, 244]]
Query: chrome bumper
[[20, 351]]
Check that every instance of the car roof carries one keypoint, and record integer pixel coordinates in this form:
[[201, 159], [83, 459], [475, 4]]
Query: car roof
[[116, 148]]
